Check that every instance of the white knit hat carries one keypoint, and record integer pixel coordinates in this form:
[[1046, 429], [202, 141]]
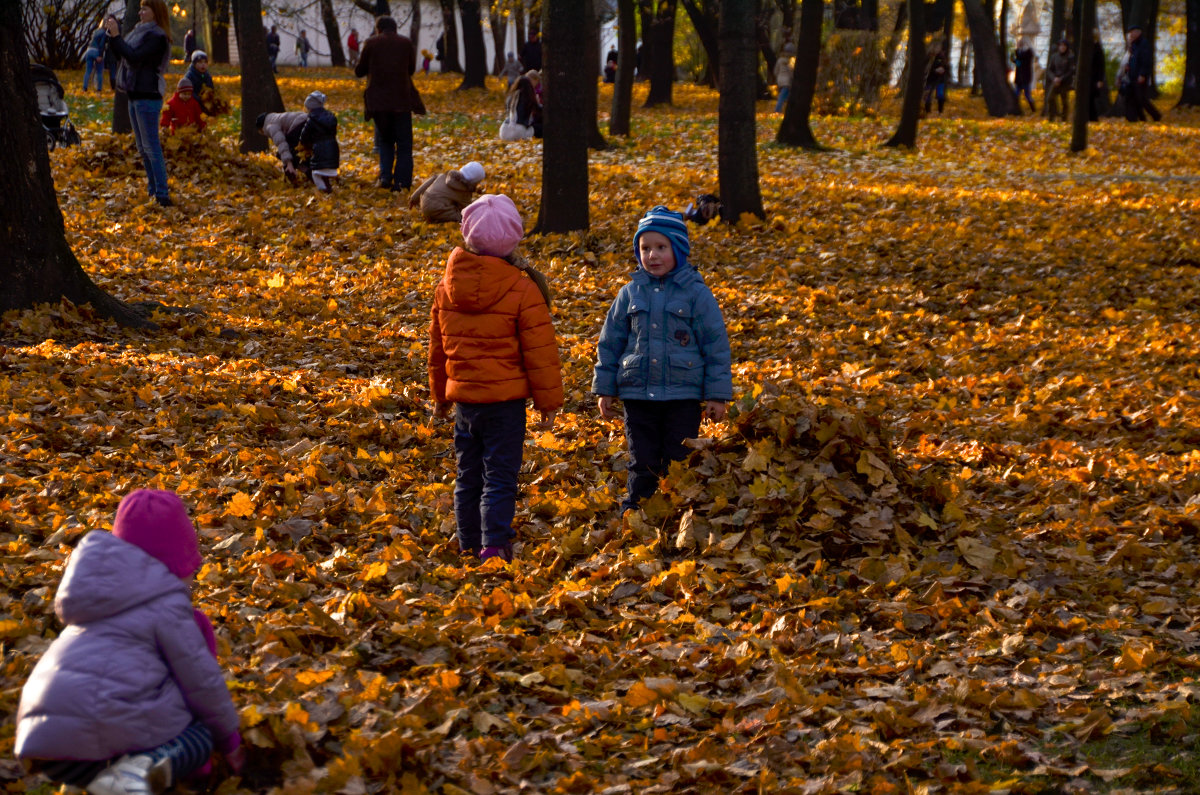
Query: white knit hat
[[314, 100], [472, 172]]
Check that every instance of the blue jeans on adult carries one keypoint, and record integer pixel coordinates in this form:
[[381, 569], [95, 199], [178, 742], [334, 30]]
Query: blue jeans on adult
[[95, 63], [1024, 91], [144, 115], [784, 92], [654, 431], [488, 442], [393, 142]]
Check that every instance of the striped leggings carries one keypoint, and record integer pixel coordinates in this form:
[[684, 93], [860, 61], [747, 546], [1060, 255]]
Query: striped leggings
[[188, 753]]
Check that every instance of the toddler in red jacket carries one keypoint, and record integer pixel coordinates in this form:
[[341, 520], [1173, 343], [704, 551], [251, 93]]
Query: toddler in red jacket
[[491, 347], [182, 109]]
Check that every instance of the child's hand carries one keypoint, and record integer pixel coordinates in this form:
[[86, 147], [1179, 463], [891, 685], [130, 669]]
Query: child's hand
[[441, 411], [605, 404], [714, 410], [547, 422]]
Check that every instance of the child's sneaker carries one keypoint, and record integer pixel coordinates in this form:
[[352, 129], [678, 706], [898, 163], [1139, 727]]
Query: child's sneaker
[[505, 553], [132, 774]]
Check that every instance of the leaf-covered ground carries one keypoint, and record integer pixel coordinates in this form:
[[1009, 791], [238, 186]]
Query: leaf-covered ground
[[947, 541]]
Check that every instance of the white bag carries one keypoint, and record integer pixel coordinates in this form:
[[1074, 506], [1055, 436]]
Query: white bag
[[512, 130]]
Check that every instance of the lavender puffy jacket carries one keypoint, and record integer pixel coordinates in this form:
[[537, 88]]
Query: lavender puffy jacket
[[131, 670]]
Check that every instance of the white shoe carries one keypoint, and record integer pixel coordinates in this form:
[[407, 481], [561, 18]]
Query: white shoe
[[134, 774]]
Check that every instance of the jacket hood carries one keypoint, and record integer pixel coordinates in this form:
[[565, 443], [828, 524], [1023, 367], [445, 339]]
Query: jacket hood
[[106, 576], [475, 282], [456, 180]]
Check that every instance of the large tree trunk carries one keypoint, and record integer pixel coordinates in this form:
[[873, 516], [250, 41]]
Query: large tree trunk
[[38, 265], [450, 62], [337, 56], [218, 48], [498, 22], [475, 75], [1058, 26], [519, 13], [705, 22], [1191, 69], [120, 117], [661, 39], [910, 109], [592, 94], [795, 129], [414, 25], [737, 142], [622, 101], [893, 43], [1083, 75], [993, 77], [260, 92], [564, 204]]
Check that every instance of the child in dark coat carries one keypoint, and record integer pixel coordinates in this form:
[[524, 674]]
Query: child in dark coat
[[129, 698], [319, 137]]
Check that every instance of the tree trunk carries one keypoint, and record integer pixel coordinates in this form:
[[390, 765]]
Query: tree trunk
[[592, 94], [910, 109], [870, 14], [704, 22], [1191, 69], [1058, 16], [475, 75], [38, 265], [450, 62], [795, 129], [260, 92], [622, 101], [519, 12], [564, 205], [120, 117], [893, 42], [737, 142], [218, 48], [498, 22], [662, 54], [414, 24], [337, 56], [1083, 75], [993, 77], [1151, 34]]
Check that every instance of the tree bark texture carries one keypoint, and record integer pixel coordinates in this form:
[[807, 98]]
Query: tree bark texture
[[622, 101], [795, 129], [993, 76], [38, 265], [914, 84], [475, 75], [218, 51], [737, 148], [1083, 74], [414, 23], [337, 55], [1191, 69], [564, 205], [450, 62], [260, 92], [661, 39]]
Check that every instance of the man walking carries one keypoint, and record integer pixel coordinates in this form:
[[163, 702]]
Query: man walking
[[1137, 103], [388, 61]]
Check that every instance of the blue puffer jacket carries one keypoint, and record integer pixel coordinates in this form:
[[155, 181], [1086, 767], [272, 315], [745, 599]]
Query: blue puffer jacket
[[664, 339]]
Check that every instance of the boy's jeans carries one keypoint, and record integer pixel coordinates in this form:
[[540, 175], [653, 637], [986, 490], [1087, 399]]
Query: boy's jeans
[[488, 443], [393, 142], [144, 115], [655, 430]]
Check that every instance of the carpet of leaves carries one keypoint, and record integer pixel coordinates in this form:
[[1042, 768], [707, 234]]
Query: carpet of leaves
[[946, 542]]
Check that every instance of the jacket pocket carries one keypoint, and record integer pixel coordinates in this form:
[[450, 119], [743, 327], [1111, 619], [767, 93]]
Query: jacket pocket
[[637, 313], [632, 372], [679, 325], [686, 369]]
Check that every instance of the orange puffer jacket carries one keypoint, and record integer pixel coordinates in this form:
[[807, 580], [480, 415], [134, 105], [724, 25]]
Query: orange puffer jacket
[[491, 338]]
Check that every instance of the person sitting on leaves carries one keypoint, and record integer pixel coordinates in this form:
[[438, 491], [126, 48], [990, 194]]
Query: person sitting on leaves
[[706, 208], [443, 196], [182, 110], [202, 84], [284, 131], [318, 138]]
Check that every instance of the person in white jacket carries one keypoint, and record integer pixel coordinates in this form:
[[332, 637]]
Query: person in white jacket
[[284, 131]]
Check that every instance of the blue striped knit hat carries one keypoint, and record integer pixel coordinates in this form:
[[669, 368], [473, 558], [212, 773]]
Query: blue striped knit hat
[[670, 224]]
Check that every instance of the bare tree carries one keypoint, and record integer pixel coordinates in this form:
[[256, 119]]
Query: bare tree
[[57, 32], [337, 56], [795, 129], [564, 205], [622, 102], [260, 92], [475, 75], [737, 141], [1083, 75], [658, 49], [989, 68], [450, 62], [910, 110], [38, 265]]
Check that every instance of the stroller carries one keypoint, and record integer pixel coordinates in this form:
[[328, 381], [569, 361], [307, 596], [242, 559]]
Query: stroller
[[52, 107]]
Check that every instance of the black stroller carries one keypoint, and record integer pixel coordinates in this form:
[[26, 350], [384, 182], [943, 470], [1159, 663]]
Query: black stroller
[[52, 107]]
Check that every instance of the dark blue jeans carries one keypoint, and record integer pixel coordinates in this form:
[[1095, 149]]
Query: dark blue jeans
[[393, 142], [655, 430], [144, 115], [488, 443]]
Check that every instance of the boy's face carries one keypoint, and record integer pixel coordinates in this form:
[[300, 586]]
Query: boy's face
[[185, 94], [201, 65], [658, 258]]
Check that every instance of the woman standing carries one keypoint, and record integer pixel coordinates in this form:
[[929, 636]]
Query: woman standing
[[144, 55], [94, 58]]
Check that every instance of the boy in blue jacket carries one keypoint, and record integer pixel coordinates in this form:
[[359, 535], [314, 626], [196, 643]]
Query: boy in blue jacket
[[663, 352]]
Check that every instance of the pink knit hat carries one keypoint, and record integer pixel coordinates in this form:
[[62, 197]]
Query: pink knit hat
[[492, 226], [157, 522]]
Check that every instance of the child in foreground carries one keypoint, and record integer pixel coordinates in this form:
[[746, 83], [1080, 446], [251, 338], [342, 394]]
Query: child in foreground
[[663, 352], [491, 347], [129, 698]]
